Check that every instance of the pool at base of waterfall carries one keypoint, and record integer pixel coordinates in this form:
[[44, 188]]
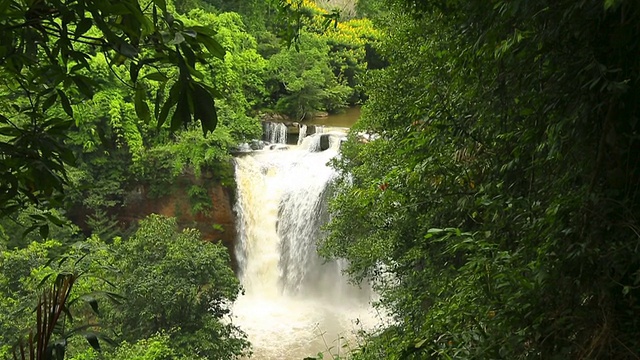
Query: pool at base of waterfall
[[290, 328]]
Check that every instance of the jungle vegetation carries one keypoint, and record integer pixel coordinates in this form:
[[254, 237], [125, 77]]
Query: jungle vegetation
[[100, 99], [494, 202]]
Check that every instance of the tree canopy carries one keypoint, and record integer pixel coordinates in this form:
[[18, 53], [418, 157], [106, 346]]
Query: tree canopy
[[45, 52]]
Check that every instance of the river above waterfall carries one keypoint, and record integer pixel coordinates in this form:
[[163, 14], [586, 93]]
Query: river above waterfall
[[295, 304], [345, 119]]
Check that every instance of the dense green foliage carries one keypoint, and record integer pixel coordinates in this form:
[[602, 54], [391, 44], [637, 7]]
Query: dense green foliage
[[159, 281], [109, 103], [45, 53], [17, 285], [125, 68], [305, 81], [496, 202], [117, 153], [171, 280], [490, 190], [157, 347]]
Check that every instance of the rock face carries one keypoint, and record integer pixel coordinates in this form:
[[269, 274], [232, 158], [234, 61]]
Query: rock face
[[216, 223]]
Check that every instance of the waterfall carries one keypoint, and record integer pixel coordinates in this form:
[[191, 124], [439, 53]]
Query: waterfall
[[292, 297], [302, 133], [274, 132]]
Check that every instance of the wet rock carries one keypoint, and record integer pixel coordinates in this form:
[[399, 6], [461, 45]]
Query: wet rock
[[278, 147], [256, 144], [324, 142]]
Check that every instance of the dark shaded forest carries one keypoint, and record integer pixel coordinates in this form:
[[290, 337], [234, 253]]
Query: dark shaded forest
[[498, 206]]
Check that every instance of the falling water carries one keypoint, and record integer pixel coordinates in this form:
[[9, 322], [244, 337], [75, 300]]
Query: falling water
[[302, 133], [295, 304], [274, 132]]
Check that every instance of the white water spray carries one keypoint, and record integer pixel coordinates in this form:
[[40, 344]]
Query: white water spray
[[302, 133], [274, 132], [295, 304]]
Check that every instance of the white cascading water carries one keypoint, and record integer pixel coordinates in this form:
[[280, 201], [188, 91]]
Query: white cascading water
[[295, 304], [302, 133], [274, 132]]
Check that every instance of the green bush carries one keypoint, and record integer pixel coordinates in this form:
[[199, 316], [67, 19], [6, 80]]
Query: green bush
[[173, 281]]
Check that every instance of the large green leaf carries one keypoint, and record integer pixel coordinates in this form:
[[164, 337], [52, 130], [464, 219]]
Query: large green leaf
[[140, 104], [204, 108]]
